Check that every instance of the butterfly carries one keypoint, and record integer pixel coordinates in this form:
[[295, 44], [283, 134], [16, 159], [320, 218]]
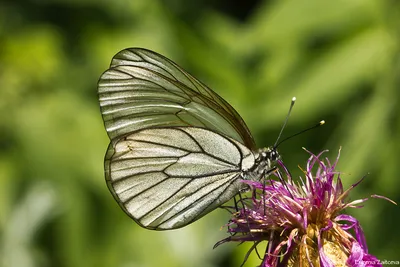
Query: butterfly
[[177, 149]]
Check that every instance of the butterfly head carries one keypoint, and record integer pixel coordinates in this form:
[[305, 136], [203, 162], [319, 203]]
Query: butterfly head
[[265, 159], [268, 154]]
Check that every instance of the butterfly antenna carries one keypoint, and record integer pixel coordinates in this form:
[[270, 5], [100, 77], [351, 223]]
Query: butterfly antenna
[[303, 131], [284, 124]]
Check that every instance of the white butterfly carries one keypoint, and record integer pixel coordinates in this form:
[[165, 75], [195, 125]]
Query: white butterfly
[[178, 150]]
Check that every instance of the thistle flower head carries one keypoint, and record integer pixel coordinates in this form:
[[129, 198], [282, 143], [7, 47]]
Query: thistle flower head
[[302, 221]]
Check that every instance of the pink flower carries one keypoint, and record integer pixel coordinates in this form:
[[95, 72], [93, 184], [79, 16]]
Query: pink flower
[[302, 221]]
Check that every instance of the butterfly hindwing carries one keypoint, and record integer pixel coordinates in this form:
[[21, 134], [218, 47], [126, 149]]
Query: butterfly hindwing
[[166, 178]]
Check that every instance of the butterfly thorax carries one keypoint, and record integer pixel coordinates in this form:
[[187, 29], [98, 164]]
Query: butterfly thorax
[[265, 159]]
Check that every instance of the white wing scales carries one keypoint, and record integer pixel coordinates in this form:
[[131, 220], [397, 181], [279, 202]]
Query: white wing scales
[[177, 148], [166, 178], [143, 89]]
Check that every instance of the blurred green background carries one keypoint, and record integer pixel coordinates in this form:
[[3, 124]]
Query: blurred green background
[[339, 58]]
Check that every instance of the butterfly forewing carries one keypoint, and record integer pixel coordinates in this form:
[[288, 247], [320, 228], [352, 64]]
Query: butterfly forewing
[[166, 178], [143, 89]]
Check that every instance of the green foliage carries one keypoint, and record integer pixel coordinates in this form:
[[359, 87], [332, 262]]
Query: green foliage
[[339, 58]]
